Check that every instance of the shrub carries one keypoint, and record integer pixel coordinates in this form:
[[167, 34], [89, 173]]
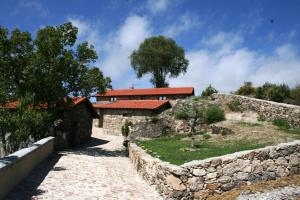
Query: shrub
[[213, 114], [182, 114], [209, 91], [154, 119], [282, 123], [234, 106], [247, 89], [125, 128]]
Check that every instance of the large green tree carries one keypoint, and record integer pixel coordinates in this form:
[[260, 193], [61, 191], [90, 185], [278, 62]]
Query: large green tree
[[161, 57], [52, 66], [45, 70]]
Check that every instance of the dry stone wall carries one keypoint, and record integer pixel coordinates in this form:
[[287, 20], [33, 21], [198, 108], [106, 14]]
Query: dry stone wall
[[268, 109], [199, 179]]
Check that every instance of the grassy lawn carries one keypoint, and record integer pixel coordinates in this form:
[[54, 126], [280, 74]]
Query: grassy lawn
[[171, 149]]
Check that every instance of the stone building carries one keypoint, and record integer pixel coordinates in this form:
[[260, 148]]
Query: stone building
[[116, 106], [76, 125]]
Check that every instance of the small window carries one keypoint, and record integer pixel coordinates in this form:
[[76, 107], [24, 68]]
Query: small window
[[162, 98], [113, 99], [126, 114]]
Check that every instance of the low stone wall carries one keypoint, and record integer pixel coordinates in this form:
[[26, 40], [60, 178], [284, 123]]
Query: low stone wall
[[15, 167], [268, 109], [198, 179]]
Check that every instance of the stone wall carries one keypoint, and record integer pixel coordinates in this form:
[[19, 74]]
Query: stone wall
[[75, 128], [199, 179], [267, 109], [113, 119], [15, 167]]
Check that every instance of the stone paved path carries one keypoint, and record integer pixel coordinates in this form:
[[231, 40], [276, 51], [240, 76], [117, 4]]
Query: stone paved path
[[98, 170]]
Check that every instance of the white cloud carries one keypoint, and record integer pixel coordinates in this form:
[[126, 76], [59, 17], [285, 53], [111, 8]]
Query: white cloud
[[185, 23], [121, 43], [87, 31], [227, 71], [157, 5], [35, 6]]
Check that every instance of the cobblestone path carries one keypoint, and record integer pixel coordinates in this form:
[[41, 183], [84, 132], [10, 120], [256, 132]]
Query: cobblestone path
[[98, 170]]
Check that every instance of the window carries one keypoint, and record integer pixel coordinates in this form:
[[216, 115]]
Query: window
[[162, 98], [113, 99]]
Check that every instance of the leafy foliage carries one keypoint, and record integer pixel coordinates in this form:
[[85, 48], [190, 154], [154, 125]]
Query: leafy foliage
[[125, 128], [44, 70], [247, 89], [213, 114], [208, 91], [234, 106], [161, 57]]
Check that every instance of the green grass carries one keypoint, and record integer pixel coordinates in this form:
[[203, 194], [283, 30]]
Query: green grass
[[169, 148], [284, 126], [247, 124]]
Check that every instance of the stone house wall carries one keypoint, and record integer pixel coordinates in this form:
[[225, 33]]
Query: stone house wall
[[267, 109], [75, 128], [198, 179], [144, 97]]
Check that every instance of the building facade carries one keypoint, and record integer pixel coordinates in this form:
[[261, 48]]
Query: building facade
[[116, 106]]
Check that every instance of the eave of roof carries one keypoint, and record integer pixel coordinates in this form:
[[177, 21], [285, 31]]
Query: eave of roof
[[132, 104], [148, 92]]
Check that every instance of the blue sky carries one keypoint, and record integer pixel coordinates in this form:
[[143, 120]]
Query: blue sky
[[227, 41]]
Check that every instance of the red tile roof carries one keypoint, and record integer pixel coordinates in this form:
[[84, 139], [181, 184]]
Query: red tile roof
[[149, 91], [14, 104], [133, 104]]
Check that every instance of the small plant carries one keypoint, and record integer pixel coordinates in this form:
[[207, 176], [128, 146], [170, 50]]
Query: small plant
[[234, 106], [282, 123], [154, 119], [261, 118], [125, 128], [206, 136], [182, 115], [213, 114]]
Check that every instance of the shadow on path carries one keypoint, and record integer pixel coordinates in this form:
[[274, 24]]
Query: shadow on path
[[28, 187]]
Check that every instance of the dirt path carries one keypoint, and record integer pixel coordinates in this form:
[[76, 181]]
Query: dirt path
[[98, 170]]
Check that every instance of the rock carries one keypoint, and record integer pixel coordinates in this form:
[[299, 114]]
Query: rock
[[215, 162], [175, 183], [202, 195], [268, 176], [230, 169], [228, 186], [242, 176], [294, 170], [268, 164], [213, 186], [294, 160], [195, 183], [281, 171], [212, 175], [281, 161], [224, 179], [199, 172]]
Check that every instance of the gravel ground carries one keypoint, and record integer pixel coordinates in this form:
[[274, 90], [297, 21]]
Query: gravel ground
[[284, 193], [98, 170]]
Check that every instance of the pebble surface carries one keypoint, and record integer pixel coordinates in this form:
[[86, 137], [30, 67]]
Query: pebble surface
[[98, 170], [286, 193]]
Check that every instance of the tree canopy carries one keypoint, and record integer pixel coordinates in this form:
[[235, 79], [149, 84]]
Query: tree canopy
[[161, 57], [52, 66], [47, 69]]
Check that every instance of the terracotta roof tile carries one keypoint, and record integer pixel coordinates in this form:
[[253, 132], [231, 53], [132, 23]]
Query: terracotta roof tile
[[148, 91], [132, 104]]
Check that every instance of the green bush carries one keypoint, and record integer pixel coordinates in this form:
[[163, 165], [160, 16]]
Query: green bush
[[213, 114], [125, 128], [234, 106], [247, 89], [208, 91], [182, 115], [282, 123]]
